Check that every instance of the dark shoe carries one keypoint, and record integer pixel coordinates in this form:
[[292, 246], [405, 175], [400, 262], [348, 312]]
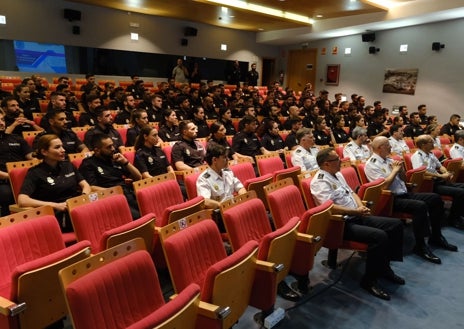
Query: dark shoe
[[392, 277], [301, 285], [441, 242], [376, 291], [287, 293], [458, 222], [424, 252]]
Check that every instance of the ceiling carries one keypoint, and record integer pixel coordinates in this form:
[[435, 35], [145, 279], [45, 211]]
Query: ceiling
[[332, 18]]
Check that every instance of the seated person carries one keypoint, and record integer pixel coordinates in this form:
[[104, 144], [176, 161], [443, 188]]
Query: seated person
[[359, 148], [107, 168], [246, 142], [305, 154], [384, 236], [457, 150], [103, 126], [217, 183], [450, 128], [218, 136], [291, 142], [441, 179], [12, 148], [169, 127], [150, 159], [58, 126], [397, 143], [187, 153], [139, 119], [53, 181]]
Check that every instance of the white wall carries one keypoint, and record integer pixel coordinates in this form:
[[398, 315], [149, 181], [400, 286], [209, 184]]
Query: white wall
[[42, 21], [440, 82]]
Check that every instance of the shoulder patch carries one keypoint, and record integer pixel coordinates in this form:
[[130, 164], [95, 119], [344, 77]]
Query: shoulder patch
[[298, 151], [320, 176], [456, 147], [206, 175]]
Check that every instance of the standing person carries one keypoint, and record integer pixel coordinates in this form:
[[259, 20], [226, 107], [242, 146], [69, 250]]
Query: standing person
[[235, 75], [180, 72], [150, 159], [252, 76], [12, 148], [108, 168], [384, 236], [441, 179], [426, 208], [53, 181]]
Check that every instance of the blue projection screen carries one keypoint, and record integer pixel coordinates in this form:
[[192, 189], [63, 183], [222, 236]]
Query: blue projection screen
[[40, 57]]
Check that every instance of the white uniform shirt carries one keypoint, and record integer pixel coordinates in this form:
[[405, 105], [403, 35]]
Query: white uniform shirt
[[305, 159], [398, 146], [376, 167], [212, 186], [325, 187], [430, 161], [457, 151], [355, 152]]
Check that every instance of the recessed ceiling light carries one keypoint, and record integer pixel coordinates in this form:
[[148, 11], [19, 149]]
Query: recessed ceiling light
[[223, 47], [2, 19], [134, 36], [319, 16], [260, 29]]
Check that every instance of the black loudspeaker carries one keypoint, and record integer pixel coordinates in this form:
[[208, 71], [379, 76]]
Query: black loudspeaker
[[72, 15], [373, 50], [76, 30], [368, 37], [184, 42], [190, 32], [437, 46]]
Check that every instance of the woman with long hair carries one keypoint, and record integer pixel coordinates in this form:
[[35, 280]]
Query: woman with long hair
[[169, 127]]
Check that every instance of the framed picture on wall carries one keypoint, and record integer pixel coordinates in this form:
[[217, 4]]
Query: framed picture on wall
[[333, 73]]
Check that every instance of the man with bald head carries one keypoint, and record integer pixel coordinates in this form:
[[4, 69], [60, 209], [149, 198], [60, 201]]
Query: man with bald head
[[426, 208], [441, 179]]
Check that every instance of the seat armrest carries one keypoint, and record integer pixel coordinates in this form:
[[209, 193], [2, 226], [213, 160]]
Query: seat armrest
[[264, 266], [308, 238], [9, 308], [386, 192], [14, 208], [213, 311], [337, 218]]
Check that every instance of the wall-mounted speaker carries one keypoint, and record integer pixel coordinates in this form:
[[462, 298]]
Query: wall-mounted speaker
[[436, 46], [373, 50], [368, 37], [72, 15], [184, 42], [76, 30], [190, 32]]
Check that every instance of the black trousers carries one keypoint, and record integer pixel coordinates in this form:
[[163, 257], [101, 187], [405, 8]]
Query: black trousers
[[384, 238], [6, 198], [455, 190], [426, 210]]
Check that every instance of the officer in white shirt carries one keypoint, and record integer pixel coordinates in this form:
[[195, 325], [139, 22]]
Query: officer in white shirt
[[384, 236], [304, 155], [397, 143], [218, 183], [441, 177], [425, 208], [358, 149], [457, 150]]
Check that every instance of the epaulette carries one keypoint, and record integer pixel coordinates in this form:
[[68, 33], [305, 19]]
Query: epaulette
[[456, 147], [320, 176], [206, 175], [373, 160], [226, 169], [298, 151]]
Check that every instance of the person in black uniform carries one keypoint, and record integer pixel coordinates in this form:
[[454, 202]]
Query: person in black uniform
[[104, 125], [12, 148], [252, 76], [123, 116], [338, 130], [414, 129], [89, 117], [150, 159], [225, 118], [383, 235], [139, 119], [187, 153], [53, 181], [169, 127], [271, 139], [246, 142], [107, 168], [199, 120], [15, 121], [58, 126]]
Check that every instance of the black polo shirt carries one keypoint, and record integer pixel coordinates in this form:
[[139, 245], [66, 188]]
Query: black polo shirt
[[152, 160], [108, 130], [12, 148], [100, 172], [246, 144], [71, 143], [192, 153]]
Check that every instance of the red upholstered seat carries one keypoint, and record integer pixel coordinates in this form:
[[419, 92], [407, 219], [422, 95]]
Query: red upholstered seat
[[125, 293], [268, 164], [190, 182], [195, 254], [32, 254], [110, 216]]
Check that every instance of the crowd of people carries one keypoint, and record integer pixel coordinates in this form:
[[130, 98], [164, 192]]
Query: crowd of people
[[258, 121]]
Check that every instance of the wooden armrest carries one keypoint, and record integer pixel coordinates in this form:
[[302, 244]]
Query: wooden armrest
[[14, 208], [213, 311], [386, 192], [9, 308], [262, 265], [337, 218], [308, 238]]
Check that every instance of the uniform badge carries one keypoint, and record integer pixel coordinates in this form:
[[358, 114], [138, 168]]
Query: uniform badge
[[245, 140], [150, 160], [100, 170], [50, 181], [187, 152], [167, 135], [272, 142], [383, 169], [334, 186], [320, 176], [216, 187], [92, 121]]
